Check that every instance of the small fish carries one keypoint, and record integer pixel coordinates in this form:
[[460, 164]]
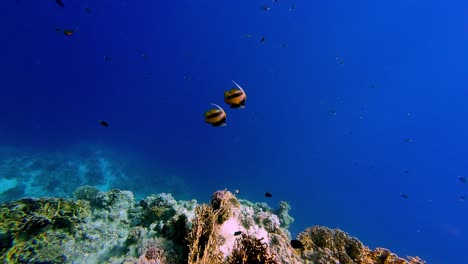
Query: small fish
[[69, 32], [296, 244], [88, 10], [236, 191], [461, 198], [107, 58], [269, 195], [404, 195], [236, 97], [408, 140], [216, 117], [262, 40], [266, 8], [60, 3], [462, 179], [284, 45], [237, 233], [103, 123]]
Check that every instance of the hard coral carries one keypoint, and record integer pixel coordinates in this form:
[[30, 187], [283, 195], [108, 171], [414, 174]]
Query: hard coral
[[250, 250], [223, 201], [204, 240], [342, 247], [34, 230], [324, 245], [86, 192]]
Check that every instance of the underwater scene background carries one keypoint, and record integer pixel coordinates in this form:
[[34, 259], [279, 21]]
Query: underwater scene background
[[356, 111]]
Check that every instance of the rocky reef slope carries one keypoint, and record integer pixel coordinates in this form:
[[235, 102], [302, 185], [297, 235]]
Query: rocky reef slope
[[111, 227]]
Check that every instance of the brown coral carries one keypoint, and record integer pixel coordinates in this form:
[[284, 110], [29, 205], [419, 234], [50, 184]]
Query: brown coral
[[204, 239], [323, 245], [250, 250]]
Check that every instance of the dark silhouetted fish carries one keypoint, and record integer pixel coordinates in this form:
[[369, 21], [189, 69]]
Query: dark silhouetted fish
[[462, 179], [69, 32], [103, 123], [60, 3], [296, 244], [269, 195], [403, 195], [237, 233]]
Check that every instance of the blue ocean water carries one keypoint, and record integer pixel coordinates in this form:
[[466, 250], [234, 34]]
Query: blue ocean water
[[350, 104]]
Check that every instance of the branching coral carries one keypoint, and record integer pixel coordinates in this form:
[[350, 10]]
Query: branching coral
[[203, 239], [250, 250], [203, 243]]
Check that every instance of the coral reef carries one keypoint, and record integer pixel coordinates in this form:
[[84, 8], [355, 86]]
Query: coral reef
[[251, 250], [87, 193], [111, 227], [325, 245], [35, 230]]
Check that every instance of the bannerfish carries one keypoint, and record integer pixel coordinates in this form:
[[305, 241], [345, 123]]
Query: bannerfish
[[103, 123], [236, 97], [269, 195], [216, 116]]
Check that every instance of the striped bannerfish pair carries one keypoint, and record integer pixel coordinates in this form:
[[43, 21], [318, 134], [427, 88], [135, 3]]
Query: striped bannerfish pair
[[236, 98]]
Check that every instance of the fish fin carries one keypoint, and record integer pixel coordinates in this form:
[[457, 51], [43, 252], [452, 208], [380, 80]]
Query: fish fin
[[219, 107], [238, 86]]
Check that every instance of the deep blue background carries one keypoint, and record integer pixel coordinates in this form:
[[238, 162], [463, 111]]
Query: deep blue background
[[329, 137]]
